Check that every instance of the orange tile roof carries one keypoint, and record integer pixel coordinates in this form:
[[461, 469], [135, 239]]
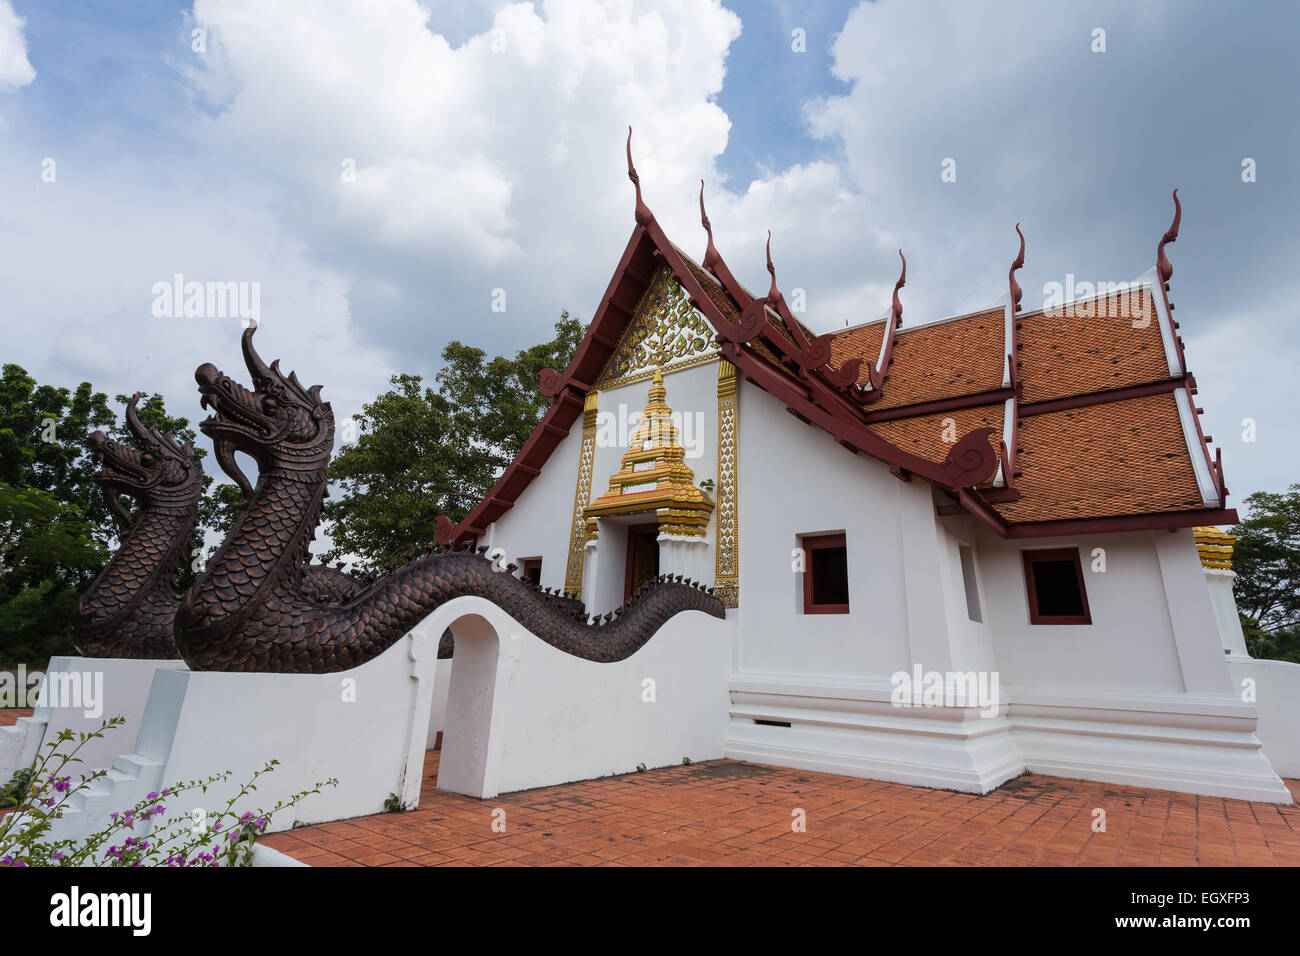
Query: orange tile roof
[[729, 307], [1116, 458], [949, 359], [863, 342], [1095, 347], [931, 436], [717, 295]]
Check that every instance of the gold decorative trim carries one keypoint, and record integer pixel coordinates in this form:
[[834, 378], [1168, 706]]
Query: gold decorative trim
[[666, 332], [581, 495], [648, 374], [726, 549], [654, 476], [1214, 547]]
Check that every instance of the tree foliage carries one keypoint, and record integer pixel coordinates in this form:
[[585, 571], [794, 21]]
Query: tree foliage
[[1267, 560], [43, 433], [425, 451], [48, 553], [56, 531]]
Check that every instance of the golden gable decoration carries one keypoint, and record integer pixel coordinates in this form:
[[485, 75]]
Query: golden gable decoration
[[666, 332], [726, 568], [578, 530], [654, 476], [1214, 547]]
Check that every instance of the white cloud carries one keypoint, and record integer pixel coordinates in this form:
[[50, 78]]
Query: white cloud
[[494, 164], [15, 69], [79, 280], [497, 162]]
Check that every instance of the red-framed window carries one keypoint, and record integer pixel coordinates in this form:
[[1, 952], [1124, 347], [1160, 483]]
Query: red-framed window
[[531, 568], [826, 574], [1054, 580]]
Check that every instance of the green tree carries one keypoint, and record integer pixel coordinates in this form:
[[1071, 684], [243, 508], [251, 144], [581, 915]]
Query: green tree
[[43, 433], [424, 452], [1266, 559], [56, 531], [48, 554]]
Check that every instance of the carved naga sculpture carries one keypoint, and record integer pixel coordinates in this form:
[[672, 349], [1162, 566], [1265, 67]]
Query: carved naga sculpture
[[128, 609], [249, 611]]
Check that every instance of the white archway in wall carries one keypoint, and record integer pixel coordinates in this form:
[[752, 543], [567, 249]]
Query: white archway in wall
[[469, 747], [521, 713], [463, 691]]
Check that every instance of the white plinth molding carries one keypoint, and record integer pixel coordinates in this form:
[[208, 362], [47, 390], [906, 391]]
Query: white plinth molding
[[851, 727], [1193, 743]]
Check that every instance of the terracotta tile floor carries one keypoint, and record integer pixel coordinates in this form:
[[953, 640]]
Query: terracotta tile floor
[[728, 813]]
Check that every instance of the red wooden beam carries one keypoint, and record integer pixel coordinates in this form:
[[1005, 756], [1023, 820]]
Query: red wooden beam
[[1077, 526]]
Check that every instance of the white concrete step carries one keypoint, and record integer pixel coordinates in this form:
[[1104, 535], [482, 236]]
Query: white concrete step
[[19, 744], [131, 778]]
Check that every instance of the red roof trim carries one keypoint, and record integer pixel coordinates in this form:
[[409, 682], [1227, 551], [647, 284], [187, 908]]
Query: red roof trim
[[568, 390], [813, 398], [851, 432], [1101, 398], [1153, 522], [994, 397]]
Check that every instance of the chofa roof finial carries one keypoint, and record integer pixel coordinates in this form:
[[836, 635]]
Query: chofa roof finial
[[897, 307], [1016, 291], [877, 374], [773, 293], [643, 215], [1163, 266], [711, 255]]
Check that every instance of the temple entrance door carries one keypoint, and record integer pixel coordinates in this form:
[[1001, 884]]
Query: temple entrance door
[[642, 557]]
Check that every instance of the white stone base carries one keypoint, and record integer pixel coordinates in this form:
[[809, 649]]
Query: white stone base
[[1277, 698], [96, 689], [852, 728], [1192, 743], [1202, 744]]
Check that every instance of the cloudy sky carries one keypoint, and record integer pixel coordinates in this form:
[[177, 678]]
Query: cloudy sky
[[380, 167]]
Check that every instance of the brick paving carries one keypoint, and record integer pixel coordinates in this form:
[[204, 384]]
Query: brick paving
[[728, 813]]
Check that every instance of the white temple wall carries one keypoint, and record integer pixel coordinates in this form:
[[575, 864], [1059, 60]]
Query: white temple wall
[[1142, 696], [538, 524], [1130, 644], [794, 480], [814, 691], [972, 647], [1219, 583]]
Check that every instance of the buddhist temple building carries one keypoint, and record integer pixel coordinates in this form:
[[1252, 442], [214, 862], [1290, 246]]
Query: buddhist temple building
[[1022, 496]]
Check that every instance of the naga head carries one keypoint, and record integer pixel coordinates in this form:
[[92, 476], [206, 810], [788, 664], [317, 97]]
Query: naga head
[[158, 472], [279, 424]]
